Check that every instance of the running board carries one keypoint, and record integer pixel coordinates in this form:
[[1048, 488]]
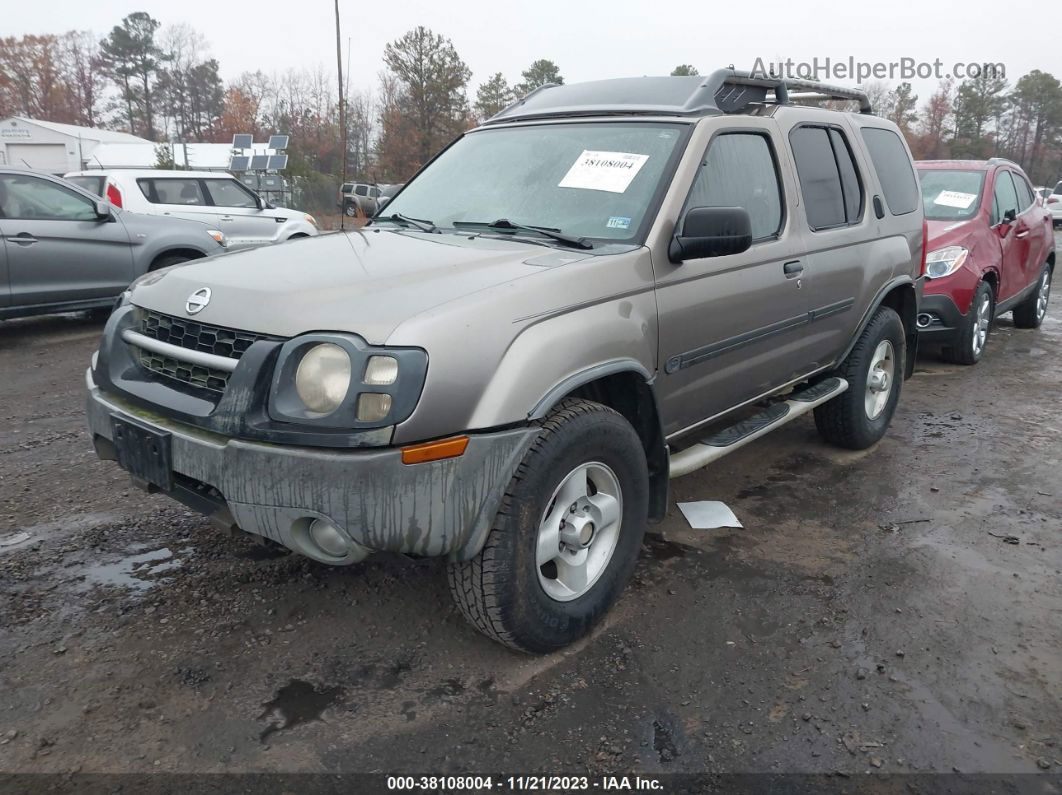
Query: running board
[[740, 434]]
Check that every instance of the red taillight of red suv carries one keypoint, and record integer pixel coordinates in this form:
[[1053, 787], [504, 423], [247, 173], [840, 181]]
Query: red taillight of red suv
[[925, 246], [114, 196]]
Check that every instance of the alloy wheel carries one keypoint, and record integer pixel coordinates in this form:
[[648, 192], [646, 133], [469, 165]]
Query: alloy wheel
[[880, 378]]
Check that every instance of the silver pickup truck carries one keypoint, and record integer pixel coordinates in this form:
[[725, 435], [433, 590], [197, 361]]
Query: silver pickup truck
[[606, 285]]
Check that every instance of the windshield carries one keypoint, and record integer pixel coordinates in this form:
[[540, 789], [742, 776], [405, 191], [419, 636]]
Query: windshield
[[91, 184], [951, 194], [594, 180]]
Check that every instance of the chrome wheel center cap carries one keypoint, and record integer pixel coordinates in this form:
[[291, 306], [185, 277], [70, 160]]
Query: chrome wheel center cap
[[577, 532]]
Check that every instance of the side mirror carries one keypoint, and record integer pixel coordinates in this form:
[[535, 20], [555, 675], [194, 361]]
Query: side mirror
[[711, 232], [103, 211], [270, 206], [1010, 216]]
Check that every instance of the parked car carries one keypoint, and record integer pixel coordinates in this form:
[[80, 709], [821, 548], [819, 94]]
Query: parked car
[[64, 249], [1053, 203], [210, 197], [364, 198], [604, 286], [992, 251]]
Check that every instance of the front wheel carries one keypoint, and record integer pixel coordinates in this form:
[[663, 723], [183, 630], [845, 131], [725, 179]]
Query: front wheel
[[1031, 312], [567, 537], [859, 417], [972, 334]]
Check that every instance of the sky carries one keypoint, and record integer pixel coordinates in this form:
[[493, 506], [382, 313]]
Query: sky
[[589, 40]]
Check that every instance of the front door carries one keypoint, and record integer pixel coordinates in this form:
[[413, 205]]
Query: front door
[[733, 327], [1013, 234], [58, 250], [239, 215]]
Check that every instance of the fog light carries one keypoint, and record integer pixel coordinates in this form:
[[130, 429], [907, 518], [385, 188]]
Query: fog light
[[373, 406], [328, 538]]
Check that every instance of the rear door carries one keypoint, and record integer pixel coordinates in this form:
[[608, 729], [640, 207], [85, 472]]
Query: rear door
[[5, 284], [733, 327], [178, 197], [57, 249], [244, 223]]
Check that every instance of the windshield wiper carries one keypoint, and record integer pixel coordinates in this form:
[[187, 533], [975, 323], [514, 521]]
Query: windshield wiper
[[548, 231], [419, 223]]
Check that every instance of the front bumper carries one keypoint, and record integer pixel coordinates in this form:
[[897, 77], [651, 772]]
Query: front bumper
[[942, 319], [441, 508]]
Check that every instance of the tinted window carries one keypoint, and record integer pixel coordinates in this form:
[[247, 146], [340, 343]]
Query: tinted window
[[893, 167], [229, 193], [361, 190], [739, 171], [820, 179], [951, 194], [31, 199], [1006, 198], [91, 184], [1025, 195], [172, 191], [850, 184]]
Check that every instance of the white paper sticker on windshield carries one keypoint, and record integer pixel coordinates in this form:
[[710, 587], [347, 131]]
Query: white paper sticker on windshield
[[953, 198], [609, 171]]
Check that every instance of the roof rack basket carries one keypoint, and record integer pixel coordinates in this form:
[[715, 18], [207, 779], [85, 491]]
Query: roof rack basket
[[731, 91]]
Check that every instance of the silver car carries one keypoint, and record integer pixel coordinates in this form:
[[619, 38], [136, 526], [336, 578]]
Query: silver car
[[64, 249], [605, 286]]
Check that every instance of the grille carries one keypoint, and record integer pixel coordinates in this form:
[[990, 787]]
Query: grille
[[193, 336]]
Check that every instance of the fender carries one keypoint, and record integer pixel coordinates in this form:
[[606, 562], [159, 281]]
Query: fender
[[910, 327], [593, 373]]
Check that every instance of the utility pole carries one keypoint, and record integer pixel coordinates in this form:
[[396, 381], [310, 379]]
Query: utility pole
[[342, 119]]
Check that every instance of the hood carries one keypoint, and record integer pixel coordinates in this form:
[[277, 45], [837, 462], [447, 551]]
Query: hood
[[365, 282], [950, 233]]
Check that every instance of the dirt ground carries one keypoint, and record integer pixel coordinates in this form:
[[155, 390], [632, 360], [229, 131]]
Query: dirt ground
[[894, 610]]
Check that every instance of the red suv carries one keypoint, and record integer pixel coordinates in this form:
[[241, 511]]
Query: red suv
[[991, 250]]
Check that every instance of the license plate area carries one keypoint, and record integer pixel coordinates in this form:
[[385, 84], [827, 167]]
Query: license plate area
[[144, 452]]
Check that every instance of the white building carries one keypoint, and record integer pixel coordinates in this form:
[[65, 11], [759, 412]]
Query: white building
[[60, 148]]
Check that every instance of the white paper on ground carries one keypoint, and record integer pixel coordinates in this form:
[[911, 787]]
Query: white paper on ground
[[708, 515], [954, 198], [608, 171]]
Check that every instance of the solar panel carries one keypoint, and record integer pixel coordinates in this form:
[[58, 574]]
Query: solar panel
[[278, 162], [278, 142], [242, 141], [239, 163], [259, 162]]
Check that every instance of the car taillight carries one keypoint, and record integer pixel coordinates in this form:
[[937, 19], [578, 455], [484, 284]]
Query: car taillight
[[925, 246], [114, 196]]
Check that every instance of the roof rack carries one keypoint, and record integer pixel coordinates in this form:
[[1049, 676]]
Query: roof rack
[[721, 92]]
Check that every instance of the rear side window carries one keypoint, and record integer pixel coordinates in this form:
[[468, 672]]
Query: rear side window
[[829, 181], [1005, 197], [229, 193], [739, 171], [92, 184], [894, 170], [361, 190], [172, 191]]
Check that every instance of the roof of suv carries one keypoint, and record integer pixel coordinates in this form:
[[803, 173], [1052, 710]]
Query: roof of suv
[[723, 91]]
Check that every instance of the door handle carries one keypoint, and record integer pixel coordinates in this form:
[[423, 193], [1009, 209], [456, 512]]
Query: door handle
[[793, 269], [1022, 233], [226, 218], [24, 239]]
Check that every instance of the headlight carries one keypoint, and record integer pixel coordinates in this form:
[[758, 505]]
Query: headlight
[[218, 236], [323, 378], [945, 261], [310, 219], [381, 371]]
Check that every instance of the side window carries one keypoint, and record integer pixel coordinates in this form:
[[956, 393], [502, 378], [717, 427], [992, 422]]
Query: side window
[[230, 193], [850, 184], [1006, 197], [1025, 194], [374, 193], [172, 191], [894, 170], [819, 176], [739, 171], [31, 199], [361, 190]]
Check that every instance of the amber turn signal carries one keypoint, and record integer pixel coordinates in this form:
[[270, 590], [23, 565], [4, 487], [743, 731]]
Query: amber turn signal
[[434, 451]]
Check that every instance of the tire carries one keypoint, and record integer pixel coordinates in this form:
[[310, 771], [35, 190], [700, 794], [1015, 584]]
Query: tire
[[502, 592], [846, 420], [972, 336], [169, 259], [350, 209], [1031, 312]]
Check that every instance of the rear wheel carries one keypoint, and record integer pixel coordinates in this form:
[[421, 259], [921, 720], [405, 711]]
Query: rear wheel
[[567, 536], [859, 417], [972, 335], [1031, 312]]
